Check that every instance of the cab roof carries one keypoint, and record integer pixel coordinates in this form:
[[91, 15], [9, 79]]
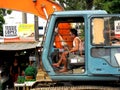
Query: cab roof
[[81, 12]]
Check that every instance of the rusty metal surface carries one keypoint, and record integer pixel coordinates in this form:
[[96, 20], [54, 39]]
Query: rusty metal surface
[[82, 86]]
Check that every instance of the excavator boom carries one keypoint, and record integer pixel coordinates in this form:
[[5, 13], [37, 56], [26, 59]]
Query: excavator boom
[[42, 8]]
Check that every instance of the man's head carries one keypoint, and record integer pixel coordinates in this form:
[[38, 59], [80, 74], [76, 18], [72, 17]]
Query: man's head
[[73, 32]]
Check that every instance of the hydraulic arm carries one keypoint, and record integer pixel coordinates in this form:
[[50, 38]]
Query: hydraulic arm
[[42, 8]]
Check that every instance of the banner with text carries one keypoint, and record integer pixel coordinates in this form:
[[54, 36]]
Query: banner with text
[[19, 33]]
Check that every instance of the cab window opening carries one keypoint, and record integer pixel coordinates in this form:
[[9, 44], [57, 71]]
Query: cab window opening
[[62, 38], [108, 29]]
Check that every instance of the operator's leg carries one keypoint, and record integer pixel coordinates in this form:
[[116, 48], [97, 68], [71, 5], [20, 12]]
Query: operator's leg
[[60, 61], [64, 61], [65, 66]]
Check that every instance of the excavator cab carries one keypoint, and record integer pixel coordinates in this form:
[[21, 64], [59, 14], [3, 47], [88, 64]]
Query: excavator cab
[[61, 40], [99, 59]]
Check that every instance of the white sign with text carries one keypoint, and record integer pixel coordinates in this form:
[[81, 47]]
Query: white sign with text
[[117, 27], [10, 31]]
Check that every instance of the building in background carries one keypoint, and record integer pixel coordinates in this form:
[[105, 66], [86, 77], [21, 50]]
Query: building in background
[[16, 18]]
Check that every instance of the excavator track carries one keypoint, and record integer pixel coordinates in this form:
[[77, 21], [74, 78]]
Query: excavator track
[[48, 84], [78, 86]]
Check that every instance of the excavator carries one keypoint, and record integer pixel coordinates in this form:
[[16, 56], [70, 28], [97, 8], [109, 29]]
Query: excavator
[[99, 57]]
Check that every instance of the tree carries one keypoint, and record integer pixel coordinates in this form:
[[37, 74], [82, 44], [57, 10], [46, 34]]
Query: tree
[[3, 12], [89, 4], [111, 6], [73, 4]]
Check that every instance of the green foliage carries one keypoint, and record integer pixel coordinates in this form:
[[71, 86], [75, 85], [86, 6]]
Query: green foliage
[[31, 71], [20, 79], [82, 35], [3, 12], [2, 21], [111, 6], [73, 4], [9, 11]]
